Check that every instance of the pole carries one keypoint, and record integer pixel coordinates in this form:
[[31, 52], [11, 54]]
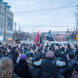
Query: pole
[[15, 30], [19, 31], [5, 27], [77, 24]]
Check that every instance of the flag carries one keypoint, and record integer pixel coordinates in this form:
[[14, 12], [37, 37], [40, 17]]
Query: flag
[[37, 39]]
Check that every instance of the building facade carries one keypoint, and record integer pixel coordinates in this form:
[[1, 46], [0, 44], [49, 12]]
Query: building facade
[[6, 21], [59, 35]]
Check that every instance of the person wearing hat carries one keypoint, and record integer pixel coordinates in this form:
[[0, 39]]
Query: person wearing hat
[[48, 66], [22, 68]]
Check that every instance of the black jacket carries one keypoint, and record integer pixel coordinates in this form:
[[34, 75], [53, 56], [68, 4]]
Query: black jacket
[[22, 69], [57, 53], [71, 65], [49, 68], [67, 72]]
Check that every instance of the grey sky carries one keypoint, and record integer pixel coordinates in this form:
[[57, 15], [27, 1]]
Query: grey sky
[[59, 17]]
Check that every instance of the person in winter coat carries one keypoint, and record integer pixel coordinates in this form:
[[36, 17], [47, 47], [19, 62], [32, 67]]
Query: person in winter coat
[[66, 49], [22, 68], [48, 66], [76, 54], [15, 54], [6, 67], [1, 54], [75, 73], [70, 65], [35, 69], [73, 46], [57, 53]]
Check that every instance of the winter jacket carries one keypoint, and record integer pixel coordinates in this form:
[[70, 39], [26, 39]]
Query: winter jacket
[[68, 50], [15, 76], [57, 53], [76, 57], [76, 54], [35, 72], [49, 68], [74, 74], [71, 65], [69, 68], [22, 69]]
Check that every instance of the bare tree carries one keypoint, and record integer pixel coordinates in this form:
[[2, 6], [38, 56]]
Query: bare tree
[[23, 36], [72, 36]]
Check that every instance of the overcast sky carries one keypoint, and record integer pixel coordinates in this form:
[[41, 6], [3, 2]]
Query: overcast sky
[[54, 17]]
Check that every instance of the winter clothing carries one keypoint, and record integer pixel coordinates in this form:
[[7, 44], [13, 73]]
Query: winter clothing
[[69, 68], [48, 66], [76, 54], [35, 71], [49, 54], [23, 57], [57, 53], [74, 74], [22, 69]]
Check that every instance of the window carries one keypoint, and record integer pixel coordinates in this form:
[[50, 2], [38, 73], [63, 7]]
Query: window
[[9, 23], [2, 20]]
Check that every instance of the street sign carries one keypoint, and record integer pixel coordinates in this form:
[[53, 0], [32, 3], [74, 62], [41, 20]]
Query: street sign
[[77, 37]]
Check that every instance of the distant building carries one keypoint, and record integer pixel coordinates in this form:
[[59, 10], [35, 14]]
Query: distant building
[[60, 35], [34, 35], [6, 21]]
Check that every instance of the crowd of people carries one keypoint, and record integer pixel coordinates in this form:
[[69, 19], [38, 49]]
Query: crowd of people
[[42, 61]]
